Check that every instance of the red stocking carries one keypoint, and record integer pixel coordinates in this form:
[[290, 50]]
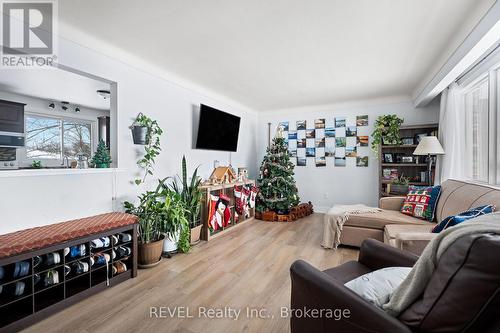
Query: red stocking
[[213, 216], [226, 212], [253, 195]]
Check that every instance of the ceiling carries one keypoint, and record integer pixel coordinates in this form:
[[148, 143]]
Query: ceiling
[[56, 85], [284, 53]]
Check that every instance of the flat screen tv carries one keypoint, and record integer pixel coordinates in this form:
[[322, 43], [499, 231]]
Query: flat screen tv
[[217, 130]]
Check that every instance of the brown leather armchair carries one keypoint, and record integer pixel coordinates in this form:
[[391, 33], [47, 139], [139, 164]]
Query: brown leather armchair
[[463, 294]]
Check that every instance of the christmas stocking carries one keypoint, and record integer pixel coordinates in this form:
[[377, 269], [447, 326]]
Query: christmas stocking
[[253, 195], [224, 209], [214, 218], [241, 194]]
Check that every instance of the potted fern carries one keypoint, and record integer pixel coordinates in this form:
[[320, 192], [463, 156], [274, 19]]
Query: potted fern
[[101, 158], [190, 193], [386, 131]]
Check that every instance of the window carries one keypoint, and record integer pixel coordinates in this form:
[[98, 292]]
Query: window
[[477, 130], [52, 138]]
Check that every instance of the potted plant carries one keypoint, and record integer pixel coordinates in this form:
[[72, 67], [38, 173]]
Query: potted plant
[[400, 185], [386, 131], [190, 193], [151, 213], [175, 225], [147, 132], [101, 158]]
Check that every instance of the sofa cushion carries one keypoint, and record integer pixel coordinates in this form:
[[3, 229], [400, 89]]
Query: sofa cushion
[[381, 219], [449, 303], [453, 220], [421, 202]]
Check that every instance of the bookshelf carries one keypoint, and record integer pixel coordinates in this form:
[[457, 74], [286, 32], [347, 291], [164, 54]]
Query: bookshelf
[[398, 167]]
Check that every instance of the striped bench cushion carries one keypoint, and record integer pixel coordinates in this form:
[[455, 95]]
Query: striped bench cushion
[[36, 238]]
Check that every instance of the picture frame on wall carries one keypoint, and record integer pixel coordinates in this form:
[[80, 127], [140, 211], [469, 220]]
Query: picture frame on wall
[[301, 125]]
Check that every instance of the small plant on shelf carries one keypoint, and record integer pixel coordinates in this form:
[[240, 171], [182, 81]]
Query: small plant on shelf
[[400, 185], [101, 158], [151, 143], [36, 164], [386, 131]]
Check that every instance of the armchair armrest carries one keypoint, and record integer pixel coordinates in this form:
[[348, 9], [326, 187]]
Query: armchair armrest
[[315, 291], [377, 255], [391, 203], [413, 242]]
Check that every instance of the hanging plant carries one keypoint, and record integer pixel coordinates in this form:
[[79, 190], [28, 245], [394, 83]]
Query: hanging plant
[[151, 144], [386, 131]]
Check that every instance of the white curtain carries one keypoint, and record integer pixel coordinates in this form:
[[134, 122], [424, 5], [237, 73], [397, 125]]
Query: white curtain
[[452, 136]]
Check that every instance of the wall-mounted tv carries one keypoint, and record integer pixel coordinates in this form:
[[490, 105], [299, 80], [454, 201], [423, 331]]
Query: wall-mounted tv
[[217, 130]]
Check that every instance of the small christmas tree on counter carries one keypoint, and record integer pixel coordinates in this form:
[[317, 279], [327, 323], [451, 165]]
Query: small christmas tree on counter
[[101, 158], [278, 192]]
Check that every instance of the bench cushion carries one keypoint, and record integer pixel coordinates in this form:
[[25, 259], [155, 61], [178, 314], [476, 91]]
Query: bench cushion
[[36, 238]]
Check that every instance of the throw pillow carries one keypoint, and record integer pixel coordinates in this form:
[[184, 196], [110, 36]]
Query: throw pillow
[[377, 287], [421, 202], [453, 220]]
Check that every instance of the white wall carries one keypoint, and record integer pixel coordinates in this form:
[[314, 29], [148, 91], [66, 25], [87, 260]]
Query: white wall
[[137, 91], [325, 186], [39, 106]]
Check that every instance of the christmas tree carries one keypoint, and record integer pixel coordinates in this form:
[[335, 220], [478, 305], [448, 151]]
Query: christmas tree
[[101, 158], [278, 191]]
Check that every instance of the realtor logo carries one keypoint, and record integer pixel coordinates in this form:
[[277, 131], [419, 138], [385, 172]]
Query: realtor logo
[[28, 33]]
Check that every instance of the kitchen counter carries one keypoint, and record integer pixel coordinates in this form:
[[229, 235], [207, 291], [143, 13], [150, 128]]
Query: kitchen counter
[[30, 172]]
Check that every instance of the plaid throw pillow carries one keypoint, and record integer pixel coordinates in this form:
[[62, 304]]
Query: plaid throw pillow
[[453, 220], [421, 202]]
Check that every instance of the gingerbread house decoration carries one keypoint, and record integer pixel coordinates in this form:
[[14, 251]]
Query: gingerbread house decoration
[[222, 175]]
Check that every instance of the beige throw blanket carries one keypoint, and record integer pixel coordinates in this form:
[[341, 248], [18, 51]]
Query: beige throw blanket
[[334, 221], [416, 281]]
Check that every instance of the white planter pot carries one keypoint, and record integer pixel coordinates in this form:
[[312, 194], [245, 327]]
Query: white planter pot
[[170, 242]]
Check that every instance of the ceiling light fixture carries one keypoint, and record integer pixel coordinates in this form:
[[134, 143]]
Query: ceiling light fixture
[[52, 105], [64, 105], [103, 93], [77, 109]]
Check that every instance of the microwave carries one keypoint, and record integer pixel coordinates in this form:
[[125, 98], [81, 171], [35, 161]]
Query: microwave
[[8, 158]]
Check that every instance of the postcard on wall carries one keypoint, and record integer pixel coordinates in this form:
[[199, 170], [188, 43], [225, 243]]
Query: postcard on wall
[[301, 161], [284, 125], [292, 135], [329, 151], [340, 142], [350, 152], [339, 122], [330, 132], [319, 123], [362, 161], [319, 143], [292, 152], [320, 161], [301, 124], [362, 141], [310, 152], [310, 134], [362, 120], [351, 131], [340, 161], [339, 152], [301, 143]]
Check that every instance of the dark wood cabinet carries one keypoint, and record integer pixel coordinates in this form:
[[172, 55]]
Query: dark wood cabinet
[[11, 117]]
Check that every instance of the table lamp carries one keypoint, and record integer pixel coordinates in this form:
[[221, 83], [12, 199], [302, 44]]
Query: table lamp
[[429, 145]]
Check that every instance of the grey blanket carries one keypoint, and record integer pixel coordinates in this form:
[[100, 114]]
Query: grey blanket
[[416, 281]]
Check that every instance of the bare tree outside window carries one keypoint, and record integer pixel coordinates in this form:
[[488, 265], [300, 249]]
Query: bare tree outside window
[[43, 138]]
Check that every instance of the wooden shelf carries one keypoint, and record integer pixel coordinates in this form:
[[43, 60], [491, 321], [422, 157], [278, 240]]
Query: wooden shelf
[[411, 170]]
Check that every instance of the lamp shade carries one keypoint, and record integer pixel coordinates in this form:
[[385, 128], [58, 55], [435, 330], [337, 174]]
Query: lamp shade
[[429, 145]]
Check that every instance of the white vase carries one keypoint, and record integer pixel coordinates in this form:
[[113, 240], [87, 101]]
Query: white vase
[[170, 242]]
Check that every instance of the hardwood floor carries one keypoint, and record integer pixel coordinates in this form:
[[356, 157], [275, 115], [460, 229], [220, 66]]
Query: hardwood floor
[[245, 268]]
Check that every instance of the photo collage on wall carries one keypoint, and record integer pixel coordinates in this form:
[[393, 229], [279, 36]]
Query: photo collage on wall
[[334, 141]]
